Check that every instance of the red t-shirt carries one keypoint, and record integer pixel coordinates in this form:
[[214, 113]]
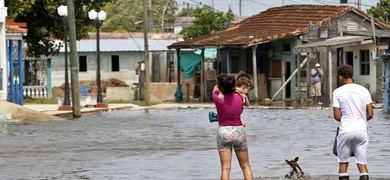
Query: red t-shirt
[[229, 109]]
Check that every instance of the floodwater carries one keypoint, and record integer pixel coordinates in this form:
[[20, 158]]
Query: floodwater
[[180, 144]]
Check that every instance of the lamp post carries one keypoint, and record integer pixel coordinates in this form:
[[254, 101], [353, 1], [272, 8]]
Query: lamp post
[[63, 12], [98, 21]]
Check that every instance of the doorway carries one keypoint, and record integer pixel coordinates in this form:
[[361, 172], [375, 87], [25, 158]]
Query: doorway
[[349, 58]]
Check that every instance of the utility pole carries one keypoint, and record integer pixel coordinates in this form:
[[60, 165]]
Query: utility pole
[[240, 5], [146, 54], [150, 16], [74, 71]]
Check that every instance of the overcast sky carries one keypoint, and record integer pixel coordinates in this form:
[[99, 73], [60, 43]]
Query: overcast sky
[[252, 7]]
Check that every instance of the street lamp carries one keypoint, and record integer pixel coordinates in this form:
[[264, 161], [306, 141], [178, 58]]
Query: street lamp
[[63, 12], [98, 21]]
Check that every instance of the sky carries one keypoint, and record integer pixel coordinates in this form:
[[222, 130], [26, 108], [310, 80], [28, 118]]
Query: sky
[[252, 7]]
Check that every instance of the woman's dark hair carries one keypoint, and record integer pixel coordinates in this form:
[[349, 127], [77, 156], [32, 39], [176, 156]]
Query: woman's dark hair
[[226, 83], [345, 71]]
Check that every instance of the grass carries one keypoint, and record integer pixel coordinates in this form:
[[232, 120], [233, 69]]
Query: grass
[[41, 101]]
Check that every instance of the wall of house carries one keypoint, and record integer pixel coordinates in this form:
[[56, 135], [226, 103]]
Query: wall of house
[[386, 85], [3, 60], [279, 57], [364, 79], [128, 63]]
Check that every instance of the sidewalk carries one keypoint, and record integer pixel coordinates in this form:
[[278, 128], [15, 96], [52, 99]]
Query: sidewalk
[[52, 109]]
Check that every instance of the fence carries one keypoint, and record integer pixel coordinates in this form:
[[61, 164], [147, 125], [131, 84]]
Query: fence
[[35, 91]]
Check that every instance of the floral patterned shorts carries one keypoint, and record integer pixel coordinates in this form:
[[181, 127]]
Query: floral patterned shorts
[[232, 136]]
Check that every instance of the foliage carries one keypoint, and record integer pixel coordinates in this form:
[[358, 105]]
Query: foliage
[[44, 24], [186, 12], [381, 11], [206, 21], [127, 15]]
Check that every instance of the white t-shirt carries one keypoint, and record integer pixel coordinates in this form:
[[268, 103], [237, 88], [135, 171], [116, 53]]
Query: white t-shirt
[[352, 99]]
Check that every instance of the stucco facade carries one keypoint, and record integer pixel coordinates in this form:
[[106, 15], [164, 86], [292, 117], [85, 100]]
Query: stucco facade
[[120, 57], [3, 60], [128, 63]]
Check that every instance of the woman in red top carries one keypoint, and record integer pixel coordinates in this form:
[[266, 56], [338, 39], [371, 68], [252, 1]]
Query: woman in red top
[[231, 132]]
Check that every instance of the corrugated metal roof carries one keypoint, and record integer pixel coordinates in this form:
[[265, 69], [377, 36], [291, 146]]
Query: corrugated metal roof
[[378, 33], [114, 35], [113, 45], [184, 21], [272, 24], [335, 41]]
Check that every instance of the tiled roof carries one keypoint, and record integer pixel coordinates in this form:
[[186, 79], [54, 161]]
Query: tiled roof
[[269, 25], [15, 27]]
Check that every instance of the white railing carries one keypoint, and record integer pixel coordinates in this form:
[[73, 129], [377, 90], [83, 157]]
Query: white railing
[[35, 91]]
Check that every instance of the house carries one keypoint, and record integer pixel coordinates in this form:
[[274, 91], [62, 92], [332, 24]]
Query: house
[[11, 79], [277, 47], [121, 54], [386, 80], [3, 58], [181, 22]]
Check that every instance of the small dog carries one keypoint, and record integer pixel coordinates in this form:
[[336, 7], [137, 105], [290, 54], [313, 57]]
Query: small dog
[[296, 171]]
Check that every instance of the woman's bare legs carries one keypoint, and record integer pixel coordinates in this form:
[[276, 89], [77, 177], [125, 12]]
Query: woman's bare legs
[[243, 159], [226, 163]]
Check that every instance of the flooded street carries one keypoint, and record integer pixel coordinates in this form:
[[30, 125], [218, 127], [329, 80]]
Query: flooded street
[[180, 144]]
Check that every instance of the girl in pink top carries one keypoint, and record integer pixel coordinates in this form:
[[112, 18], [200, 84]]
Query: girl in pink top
[[231, 132]]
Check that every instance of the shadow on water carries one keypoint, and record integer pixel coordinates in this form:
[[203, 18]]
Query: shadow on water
[[179, 144]]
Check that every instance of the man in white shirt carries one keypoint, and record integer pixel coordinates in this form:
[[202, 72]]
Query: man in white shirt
[[353, 109]]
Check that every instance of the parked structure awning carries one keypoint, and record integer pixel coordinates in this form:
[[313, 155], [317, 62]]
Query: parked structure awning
[[334, 43]]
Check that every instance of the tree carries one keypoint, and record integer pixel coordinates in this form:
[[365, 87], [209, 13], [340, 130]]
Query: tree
[[381, 11], [127, 15], [206, 21], [44, 24], [186, 12]]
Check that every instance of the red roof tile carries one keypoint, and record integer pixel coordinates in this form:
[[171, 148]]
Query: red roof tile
[[272, 24], [15, 27]]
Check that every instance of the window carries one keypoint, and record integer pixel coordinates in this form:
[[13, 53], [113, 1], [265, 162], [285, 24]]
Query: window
[[364, 62], [83, 63], [115, 63], [286, 47]]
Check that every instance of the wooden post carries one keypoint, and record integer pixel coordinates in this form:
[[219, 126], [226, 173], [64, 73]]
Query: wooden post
[[74, 71], [146, 54]]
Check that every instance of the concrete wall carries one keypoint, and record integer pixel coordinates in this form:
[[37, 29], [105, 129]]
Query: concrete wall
[[120, 93], [363, 79], [163, 91], [386, 85], [3, 60]]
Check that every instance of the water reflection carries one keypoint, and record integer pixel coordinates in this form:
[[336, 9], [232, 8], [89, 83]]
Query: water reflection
[[180, 144]]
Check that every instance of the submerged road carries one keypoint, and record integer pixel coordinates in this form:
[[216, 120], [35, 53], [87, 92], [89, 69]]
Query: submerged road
[[180, 144]]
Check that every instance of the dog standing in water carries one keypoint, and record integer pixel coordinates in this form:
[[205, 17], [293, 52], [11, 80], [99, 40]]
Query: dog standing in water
[[296, 171]]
